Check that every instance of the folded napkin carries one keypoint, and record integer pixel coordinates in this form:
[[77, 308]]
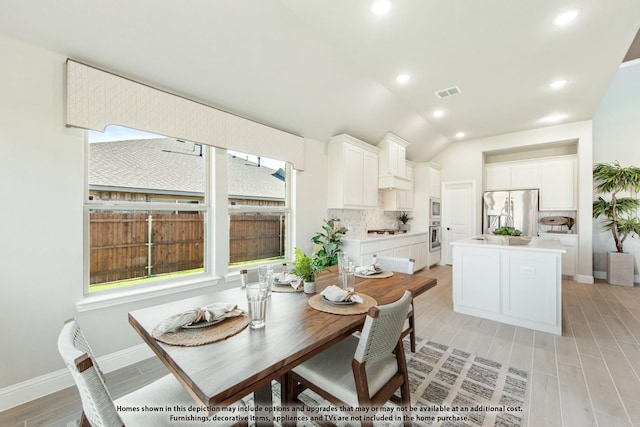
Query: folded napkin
[[336, 294], [296, 283], [367, 270], [283, 280], [208, 313]]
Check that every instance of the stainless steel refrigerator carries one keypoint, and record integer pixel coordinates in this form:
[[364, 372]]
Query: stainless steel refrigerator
[[516, 208]]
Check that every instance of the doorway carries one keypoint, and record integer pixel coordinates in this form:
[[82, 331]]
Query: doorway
[[459, 218]]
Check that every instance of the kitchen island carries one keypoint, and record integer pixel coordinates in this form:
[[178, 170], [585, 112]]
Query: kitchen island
[[517, 285]]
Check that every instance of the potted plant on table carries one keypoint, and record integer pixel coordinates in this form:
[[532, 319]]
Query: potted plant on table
[[620, 213], [404, 218], [306, 268]]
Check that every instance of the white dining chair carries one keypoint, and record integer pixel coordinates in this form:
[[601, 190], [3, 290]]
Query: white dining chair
[[98, 408], [402, 265], [360, 372]]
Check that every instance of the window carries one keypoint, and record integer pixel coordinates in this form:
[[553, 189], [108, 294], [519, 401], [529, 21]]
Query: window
[[259, 209], [147, 208]]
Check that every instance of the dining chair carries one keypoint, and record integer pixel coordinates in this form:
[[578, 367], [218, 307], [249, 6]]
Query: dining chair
[[360, 372], [402, 265], [98, 408]]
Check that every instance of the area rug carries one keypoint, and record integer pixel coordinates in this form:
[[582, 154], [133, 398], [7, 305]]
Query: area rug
[[449, 387]]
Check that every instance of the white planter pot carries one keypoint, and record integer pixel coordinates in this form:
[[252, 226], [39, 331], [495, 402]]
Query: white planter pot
[[309, 287], [620, 268]]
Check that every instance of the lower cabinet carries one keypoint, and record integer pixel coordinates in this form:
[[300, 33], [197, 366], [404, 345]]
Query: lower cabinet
[[413, 245], [570, 258], [517, 287]]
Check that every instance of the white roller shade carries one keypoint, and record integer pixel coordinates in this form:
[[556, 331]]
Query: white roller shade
[[96, 99]]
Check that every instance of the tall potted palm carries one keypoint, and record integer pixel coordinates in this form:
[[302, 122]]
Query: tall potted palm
[[620, 213]]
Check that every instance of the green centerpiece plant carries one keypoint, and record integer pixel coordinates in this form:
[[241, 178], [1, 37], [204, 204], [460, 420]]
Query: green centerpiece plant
[[306, 267], [620, 213]]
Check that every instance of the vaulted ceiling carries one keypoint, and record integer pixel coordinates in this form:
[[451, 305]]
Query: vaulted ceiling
[[318, 68]]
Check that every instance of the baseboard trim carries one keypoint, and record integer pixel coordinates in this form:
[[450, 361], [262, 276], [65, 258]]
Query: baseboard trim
[[584, 279], [35, 388], [603, 275]]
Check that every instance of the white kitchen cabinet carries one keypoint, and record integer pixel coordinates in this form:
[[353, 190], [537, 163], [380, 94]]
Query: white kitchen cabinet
[[392, 166], [558, 180], [409, 245], [555, 177], [512, 176], [434, 182], [353, 174], [570, 258], [400, 200], [517, 285]]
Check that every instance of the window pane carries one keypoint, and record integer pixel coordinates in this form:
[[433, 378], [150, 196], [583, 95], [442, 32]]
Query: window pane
[[133, 247], [258, 209], [255, 181], [154, 169], [131, 241], [256, 237]]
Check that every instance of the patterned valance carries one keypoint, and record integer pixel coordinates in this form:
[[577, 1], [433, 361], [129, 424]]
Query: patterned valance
[[96, 99]]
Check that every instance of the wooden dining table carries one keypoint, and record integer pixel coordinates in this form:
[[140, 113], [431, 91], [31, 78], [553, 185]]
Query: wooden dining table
[[220, 373]]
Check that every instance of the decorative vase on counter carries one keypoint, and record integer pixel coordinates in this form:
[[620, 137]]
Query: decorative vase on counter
[[403, 227]]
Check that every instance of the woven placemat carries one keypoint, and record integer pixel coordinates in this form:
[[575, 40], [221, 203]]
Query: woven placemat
[[200, 336], [318, 303], [382, 275]]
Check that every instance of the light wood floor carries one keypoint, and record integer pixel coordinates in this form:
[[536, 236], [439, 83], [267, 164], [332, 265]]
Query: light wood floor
[[590, 376]]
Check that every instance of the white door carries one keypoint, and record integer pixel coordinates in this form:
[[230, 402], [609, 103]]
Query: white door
[[459, 206]]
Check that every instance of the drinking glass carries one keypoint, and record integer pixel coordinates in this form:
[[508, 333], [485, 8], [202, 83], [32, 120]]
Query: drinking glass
[[349, 276], [265, 275], [257, 302], [343, 258]]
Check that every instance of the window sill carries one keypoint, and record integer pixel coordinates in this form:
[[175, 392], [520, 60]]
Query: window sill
[[110, 299]]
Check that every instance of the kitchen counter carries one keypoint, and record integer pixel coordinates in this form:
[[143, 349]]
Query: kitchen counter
[[537, 245], [517, 285], [373, 236], [413, 244]]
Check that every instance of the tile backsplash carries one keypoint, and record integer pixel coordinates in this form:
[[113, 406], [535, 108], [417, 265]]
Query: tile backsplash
[[358, 221]]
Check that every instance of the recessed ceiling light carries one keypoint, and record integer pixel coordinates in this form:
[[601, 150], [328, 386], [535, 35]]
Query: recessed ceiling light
[[557, 84], [403, 78], [438, 113], [566, 17], [553, 118], [380, 7], [460, 135]]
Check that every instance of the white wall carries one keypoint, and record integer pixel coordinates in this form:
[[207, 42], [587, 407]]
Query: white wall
[[616, 136], [41, 221], [464, 161]]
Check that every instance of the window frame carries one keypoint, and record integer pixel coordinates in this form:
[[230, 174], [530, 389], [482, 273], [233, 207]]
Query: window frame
[[286, 210], [159, 284]]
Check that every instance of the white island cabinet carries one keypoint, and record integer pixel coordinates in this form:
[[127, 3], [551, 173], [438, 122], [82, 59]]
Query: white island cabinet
[[517, 285]]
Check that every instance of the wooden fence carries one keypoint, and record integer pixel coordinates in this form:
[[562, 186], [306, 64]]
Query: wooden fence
[[137, 245]]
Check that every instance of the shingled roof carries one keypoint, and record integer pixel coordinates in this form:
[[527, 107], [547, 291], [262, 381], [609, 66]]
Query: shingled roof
[[173, 167]]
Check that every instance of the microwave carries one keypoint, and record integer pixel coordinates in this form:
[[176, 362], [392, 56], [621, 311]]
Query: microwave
[[434, 208]]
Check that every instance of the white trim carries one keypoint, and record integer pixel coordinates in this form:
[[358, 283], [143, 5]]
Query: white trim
[[35, 388], [603, 275], [584, 279], [131, 294]]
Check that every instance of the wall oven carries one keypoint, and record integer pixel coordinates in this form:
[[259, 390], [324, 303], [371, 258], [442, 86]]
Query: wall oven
[[434, 236], [434, 209]]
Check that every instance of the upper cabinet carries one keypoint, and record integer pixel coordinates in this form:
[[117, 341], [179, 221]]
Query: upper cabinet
[[353, 174], [558, 180], [434, 182], [392, 170], [555, 177], [400, 200]]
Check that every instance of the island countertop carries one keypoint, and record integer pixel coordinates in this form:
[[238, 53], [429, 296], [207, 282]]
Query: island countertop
[[536, 244]]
